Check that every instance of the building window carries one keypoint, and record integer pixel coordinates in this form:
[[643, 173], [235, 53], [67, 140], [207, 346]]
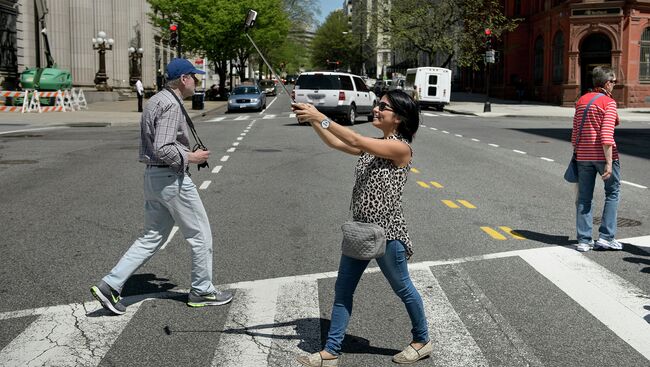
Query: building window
[[538, 67], [644, 63], [558, 58]]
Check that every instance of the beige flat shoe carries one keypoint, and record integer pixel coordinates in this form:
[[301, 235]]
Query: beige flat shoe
[[412, 355], [316, 360]]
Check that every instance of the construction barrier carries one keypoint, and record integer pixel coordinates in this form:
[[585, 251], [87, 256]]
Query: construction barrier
[[66, 100]]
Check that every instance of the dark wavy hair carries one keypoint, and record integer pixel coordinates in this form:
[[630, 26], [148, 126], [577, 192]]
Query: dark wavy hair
[[407, 109]]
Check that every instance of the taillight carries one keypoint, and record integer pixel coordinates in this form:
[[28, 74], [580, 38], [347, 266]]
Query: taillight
[[341, 95]]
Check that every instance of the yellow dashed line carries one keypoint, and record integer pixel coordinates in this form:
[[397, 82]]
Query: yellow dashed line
[[423, 184], [467, 204], [435, 184], [494, 234], [514, 234], [450, 204], [415, 170]]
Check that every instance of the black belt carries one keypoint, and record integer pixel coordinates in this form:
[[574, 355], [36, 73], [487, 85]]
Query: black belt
[[158, 166]]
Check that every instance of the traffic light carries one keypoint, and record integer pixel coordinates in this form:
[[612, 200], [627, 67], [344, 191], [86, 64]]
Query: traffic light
[[173, 35], [488, 39]]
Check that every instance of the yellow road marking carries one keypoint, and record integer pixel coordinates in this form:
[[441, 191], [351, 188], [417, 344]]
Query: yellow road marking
[[435, 184], [415, 170], [467, 204], [494, 234], [450, 204], [423, 184], [514, 234]]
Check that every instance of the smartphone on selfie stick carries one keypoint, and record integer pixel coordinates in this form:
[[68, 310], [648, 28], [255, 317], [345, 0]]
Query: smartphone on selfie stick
[[248, 24]]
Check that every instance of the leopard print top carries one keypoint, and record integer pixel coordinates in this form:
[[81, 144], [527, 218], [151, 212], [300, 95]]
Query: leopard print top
[[377, 195]]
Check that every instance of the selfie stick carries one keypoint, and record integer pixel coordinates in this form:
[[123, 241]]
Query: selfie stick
[[250, 21]]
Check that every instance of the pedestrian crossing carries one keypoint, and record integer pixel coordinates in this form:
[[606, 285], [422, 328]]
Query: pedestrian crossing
[[271, 321]]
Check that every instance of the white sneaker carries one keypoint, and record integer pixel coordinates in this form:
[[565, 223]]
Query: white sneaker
[[603, 244], [584, 247]]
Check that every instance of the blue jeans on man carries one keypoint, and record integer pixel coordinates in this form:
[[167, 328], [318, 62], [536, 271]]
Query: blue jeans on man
[[587, 173], [394, 267]]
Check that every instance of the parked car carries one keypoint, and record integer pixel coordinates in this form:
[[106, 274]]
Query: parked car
[[269, 87], [246, 97], [430, 86], [335, 94], [291, 79]]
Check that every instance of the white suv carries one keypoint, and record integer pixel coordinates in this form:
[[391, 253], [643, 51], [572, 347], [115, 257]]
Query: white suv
[[335, 94]]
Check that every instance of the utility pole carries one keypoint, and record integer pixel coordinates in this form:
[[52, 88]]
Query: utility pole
[[489, 59]]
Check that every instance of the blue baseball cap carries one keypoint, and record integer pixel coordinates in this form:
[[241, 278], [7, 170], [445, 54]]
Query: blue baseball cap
[[178, 67]]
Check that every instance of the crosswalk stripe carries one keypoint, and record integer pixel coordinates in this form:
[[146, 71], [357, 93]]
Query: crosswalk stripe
[[453, 344], [217, 119], [614, 301], [243, 117], [68, 335], [267, 117], [240, 343]]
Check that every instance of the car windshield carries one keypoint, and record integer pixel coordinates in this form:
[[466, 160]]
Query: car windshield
[[245, 90], [267, 83], [318, 81]]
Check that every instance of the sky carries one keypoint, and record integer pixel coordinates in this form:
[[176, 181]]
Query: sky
[[326, 7]]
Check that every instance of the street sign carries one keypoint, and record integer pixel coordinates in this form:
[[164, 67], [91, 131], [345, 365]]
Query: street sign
[[489, 56], [198, 62]]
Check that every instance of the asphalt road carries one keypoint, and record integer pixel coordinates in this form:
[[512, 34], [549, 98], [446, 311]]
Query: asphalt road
[[276, 196]]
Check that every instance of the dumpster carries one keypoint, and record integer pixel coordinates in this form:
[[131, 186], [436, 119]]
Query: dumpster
[[197, 100]]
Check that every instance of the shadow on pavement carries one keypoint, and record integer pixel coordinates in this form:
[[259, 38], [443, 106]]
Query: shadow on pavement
[[548, 239]]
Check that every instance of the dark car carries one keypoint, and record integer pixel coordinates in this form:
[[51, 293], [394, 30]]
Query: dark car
[[247, 97], [291, 79], [268, 86]]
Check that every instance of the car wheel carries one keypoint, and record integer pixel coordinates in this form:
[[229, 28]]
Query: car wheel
[[440, 108], [352, 115]]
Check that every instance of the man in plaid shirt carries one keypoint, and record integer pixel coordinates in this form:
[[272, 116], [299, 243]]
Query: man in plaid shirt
[[170, 195]]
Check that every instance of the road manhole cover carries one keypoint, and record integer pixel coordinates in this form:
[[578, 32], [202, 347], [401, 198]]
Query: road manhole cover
[[18, 161], [622, 222]]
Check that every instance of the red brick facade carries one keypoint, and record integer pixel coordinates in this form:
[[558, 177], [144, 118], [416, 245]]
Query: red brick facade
[[559, 42]]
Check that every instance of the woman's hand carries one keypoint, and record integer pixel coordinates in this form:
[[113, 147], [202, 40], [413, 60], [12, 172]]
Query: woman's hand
[[306, 112]]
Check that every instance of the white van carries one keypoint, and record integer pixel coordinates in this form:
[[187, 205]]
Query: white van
[[430, 86]]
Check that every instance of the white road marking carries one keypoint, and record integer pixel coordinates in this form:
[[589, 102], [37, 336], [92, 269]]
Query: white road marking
[[453, 345], [547, 159], [643, 241], [34, 129], [268, 117], [241, 344], [423, 126], [614, 301], [458, 135], [217, 119], [475, 139], [169, 239], [225, 158], [247, 130], [216, 169], [633, 184], [240, 138], [447, 115], [433, 128], [518, 151], [446, 132], [235, 144], [430, 114], [269, 105], [242, 134], [292, 115], [493, 145], [205, 185], [242, 117], [230, 150]]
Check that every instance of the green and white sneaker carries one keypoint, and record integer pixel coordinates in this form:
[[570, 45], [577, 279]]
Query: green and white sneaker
[[217, 298], [108, 297]]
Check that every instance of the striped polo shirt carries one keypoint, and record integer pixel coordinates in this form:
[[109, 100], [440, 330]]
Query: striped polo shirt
[[598, 129]]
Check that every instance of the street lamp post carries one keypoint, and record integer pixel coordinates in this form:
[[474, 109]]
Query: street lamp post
[[135, 56], [102, 44]]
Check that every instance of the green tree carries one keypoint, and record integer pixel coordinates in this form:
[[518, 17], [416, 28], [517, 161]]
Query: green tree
[[454, 28], [330, 43]]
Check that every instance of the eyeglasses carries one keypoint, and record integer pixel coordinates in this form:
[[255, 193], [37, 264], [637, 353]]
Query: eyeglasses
[[613, 81], [196, 80], [383, 106]]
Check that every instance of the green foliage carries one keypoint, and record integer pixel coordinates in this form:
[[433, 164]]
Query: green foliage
[[448, 27], [330, 43]]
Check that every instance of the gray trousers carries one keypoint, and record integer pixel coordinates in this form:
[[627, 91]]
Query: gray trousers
[[169, 198]]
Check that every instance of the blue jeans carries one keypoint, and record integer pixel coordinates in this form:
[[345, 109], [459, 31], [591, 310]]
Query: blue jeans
[[587, 172], [169, 198], [394, 267]]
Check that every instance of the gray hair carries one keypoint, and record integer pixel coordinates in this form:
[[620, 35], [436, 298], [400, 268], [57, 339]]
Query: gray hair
[[174, 83], [601, 75]]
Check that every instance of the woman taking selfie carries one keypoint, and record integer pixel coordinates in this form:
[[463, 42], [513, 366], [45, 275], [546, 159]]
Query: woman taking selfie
[[380, 175]]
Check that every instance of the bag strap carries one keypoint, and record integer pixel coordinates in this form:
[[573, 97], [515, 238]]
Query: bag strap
[[199, 143], [584, 116]]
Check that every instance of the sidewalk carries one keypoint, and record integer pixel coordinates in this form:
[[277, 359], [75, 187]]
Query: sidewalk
[[119, 113], [472, 104]]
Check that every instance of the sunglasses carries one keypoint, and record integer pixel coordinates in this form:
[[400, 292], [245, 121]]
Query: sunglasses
[[383, 106], [613, 81]]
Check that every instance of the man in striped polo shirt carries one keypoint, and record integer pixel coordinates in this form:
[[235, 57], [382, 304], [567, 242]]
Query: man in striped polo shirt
[[596, 153]]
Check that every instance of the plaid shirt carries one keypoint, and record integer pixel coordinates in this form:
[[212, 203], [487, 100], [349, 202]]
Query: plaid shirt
[[164, 140]]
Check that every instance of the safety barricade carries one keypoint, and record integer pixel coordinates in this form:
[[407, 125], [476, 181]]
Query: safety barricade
[[79, 99], [14, 94]]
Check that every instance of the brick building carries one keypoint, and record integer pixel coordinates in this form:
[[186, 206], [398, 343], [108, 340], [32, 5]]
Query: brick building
[[553, 50]]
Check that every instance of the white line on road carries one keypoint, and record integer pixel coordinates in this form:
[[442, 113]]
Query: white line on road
[[225, 158], [205, 185], [169, 239], [475, 139], [518, 151], [430, 114], [217, 119], [633, 184], [230, 150], [35, 129], [216, 169], [547, 159], [242, 117], [268, 117], [269, 105], [242, 134], [240, 138], [458, 135], [433, 128], [643, 241], [493, 145], [292, 115], [423, 126], [235, 144], [446, 132]]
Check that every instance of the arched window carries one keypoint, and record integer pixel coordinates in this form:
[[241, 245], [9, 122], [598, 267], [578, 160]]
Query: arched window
[[644, 63], [558, 58], [538, 66]]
